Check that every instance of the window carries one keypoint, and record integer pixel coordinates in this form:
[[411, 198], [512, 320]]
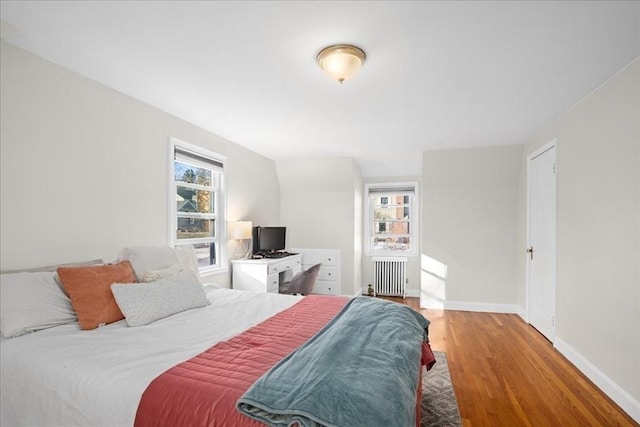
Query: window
[[197, 203], [391, 219]]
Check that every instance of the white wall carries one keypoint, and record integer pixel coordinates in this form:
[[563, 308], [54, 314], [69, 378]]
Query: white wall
[[469, 227], [84, 168], [254, 192], [358, 232], [413, 262], [321, 208], [598, 235]]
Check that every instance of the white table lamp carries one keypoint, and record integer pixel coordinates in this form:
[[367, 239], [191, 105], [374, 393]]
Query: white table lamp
[[241, 232]]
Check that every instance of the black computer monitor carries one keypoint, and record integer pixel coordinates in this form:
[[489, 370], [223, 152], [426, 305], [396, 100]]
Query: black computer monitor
[[271, 239]]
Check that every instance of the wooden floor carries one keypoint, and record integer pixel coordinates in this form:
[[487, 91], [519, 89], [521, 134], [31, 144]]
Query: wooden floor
[[505, 373]]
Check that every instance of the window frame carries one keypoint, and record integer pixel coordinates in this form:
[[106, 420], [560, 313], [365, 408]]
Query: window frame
[[218, 188], [414, 220]]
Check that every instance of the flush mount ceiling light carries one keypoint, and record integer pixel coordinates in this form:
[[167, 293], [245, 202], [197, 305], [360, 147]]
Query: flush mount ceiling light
[[341, 61]]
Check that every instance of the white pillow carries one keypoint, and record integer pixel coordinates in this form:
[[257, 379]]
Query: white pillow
[[144, 258], [187, 256], [30, 301], [143, 303], [161, 273]]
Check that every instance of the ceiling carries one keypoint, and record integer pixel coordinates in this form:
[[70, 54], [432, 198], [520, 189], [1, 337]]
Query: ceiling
[[438, 74]]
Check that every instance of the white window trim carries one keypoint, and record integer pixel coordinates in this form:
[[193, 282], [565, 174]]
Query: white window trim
[[415, 220], [220, 206]]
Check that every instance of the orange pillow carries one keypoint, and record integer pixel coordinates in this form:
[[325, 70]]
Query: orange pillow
[[90, 291]]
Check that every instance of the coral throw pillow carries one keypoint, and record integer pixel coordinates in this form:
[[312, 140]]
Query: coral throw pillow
[[90, 291]]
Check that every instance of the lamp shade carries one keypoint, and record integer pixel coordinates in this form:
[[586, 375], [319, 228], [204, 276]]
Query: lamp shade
[[240, 230], [341, 62]]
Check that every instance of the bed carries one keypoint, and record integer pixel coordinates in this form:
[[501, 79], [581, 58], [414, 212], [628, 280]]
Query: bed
[[64, 376]]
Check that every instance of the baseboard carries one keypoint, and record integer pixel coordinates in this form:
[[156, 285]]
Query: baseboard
[[628, 404], [482, 307], [413, 293], [522, 313]]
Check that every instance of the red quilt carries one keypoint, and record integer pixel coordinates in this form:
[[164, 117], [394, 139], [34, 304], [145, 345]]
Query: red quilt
[[203, 391]]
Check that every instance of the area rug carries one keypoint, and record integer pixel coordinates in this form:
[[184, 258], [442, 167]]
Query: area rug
[[439, 405]]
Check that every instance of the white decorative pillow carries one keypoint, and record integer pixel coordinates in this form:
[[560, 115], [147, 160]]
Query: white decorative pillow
[[143, 303], [31, 301], [161, 273], [187, 256], [145, 258]]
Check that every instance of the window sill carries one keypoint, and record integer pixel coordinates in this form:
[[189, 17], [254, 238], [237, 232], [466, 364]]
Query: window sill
[[213, 272], [392, 254]]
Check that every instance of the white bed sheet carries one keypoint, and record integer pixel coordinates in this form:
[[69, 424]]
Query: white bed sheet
[[67, 377]]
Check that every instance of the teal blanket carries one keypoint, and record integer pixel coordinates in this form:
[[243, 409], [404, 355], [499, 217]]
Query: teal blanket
[[361, 369]]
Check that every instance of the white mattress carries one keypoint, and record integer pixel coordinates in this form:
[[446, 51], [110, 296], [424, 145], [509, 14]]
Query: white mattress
[[67, 377]]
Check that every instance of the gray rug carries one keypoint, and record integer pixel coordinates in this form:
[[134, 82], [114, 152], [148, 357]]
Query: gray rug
[[439, 405]]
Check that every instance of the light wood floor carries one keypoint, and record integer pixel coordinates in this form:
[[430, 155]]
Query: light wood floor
[[505, 373]]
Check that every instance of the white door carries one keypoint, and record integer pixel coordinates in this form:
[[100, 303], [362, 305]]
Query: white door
[[541, 250]]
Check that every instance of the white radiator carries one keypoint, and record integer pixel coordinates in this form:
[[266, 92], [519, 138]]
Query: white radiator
[[389, 276]]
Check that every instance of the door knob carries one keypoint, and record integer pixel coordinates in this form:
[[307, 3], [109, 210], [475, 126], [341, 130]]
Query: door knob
[[530, 251]]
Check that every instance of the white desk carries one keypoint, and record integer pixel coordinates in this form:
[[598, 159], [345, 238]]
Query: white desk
[[329, 277], [266, 274]]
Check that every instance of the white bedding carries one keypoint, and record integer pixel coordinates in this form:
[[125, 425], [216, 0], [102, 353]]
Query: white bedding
[[67, 377]]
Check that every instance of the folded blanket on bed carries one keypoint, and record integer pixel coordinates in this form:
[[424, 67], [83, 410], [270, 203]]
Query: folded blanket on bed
[[355, 371]]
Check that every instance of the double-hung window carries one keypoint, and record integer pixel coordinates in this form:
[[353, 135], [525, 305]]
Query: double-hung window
[[391, 219], [197, 203]]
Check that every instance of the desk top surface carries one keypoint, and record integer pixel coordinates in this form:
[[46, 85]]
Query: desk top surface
[[266, 260]]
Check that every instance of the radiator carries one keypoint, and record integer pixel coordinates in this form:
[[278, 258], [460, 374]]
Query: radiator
[[389, 276]]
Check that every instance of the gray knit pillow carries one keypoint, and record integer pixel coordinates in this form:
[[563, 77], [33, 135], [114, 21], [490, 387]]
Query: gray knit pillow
[[143, 303]]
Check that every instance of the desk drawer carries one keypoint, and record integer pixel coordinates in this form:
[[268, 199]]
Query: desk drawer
[[315, 258], [328, 273], [285, 264], [325, 288], [273, 283]]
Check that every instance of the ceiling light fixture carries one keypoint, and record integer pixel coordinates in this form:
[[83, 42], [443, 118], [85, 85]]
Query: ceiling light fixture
[[341, 61]]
